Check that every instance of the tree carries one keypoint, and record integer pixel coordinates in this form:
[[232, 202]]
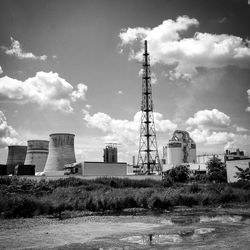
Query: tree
[[216, 170], [243, 174], [179, 173]]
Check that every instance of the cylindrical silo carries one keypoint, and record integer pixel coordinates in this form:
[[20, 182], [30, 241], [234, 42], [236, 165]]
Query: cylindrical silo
[[61, 152], [174, 153], [16, 156], [37, 154]]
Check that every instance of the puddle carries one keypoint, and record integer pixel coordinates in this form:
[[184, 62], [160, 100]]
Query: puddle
[[222, 219], [184, 220], [164, 239]]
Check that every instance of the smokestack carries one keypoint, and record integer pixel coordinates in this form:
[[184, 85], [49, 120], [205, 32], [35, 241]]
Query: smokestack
[[16, 156], [61, 152], [37, 154]]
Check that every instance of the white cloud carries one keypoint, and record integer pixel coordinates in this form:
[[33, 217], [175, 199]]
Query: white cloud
[[80, 92], [88, 106], [16, 50], [120, 92], [152, 74], [124, 131], [209, 137], [208, 127], [7, 133], [209, 118], [248, 93], [240, 129], [1, 70], [168, 46], [45, 89]]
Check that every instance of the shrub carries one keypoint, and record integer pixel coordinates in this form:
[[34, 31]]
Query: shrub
[[179, 173], [194, 188]]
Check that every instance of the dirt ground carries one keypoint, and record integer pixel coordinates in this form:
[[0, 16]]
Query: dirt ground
[[44, 233], [101, 232]]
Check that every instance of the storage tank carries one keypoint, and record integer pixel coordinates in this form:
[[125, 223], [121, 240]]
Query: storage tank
[[61, 152], [181, 148], [37, 154], [174, 153], [16, 156]]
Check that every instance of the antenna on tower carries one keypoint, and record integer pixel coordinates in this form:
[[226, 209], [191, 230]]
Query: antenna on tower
[[148, 156]]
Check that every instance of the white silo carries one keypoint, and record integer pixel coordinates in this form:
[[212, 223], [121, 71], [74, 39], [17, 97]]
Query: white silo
[[37, 154], [181, 149], [174, 153], [61, 152]]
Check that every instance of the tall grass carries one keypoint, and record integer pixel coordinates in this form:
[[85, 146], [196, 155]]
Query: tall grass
[[27, 198]]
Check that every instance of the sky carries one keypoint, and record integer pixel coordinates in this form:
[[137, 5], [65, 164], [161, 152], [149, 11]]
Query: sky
[[74, 67]]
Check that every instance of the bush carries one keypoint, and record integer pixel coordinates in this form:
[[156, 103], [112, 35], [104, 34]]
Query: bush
[[179, 173], [194, 188], [25, 198]]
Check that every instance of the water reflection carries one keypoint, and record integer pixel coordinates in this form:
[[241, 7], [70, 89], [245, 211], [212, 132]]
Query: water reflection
[[191, 231], [162, 239]]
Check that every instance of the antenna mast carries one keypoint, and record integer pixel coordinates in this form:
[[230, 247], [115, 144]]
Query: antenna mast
[[148, 156]]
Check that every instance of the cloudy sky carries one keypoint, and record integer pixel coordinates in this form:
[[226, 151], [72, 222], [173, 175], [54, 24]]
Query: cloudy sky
[[74, 66]]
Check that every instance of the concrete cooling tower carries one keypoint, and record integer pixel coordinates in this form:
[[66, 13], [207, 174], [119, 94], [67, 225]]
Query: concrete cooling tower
[[61, 152], [37, 154], [16, 156]]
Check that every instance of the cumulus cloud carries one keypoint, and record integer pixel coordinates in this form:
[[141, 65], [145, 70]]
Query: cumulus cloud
[[88, 106], [248, 93], [45, 89], [213, 127], [120, 92], [1, 70], [209, 118], [15, 49], [240, 129], [80, 92], [125, 131], [7, 133], [152, 75], [167, 45]]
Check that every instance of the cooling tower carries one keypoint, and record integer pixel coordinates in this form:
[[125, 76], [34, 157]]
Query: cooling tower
[[16, 156], [37, 154], [61, 152]]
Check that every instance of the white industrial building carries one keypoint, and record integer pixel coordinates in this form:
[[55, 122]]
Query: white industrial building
[[180, 149], [104, 169]]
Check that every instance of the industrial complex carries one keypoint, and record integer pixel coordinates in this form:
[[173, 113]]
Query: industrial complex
[[56, 157]]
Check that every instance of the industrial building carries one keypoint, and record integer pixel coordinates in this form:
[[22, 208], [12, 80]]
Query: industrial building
[[234, 155], [61, 153], [104, 169], [37, 154], [16, 156], [24, 170], [110, 153], [180, 149]]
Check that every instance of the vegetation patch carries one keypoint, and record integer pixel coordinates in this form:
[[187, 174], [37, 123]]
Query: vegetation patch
[[21, 197]]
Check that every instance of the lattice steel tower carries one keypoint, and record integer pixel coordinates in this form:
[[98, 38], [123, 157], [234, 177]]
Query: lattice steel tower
[[148, 157]]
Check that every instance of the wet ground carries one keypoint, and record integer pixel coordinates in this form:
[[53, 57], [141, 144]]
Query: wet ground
[[183, 229]]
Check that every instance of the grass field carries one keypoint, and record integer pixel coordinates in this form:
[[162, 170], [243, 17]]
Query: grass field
[[28, 198]]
